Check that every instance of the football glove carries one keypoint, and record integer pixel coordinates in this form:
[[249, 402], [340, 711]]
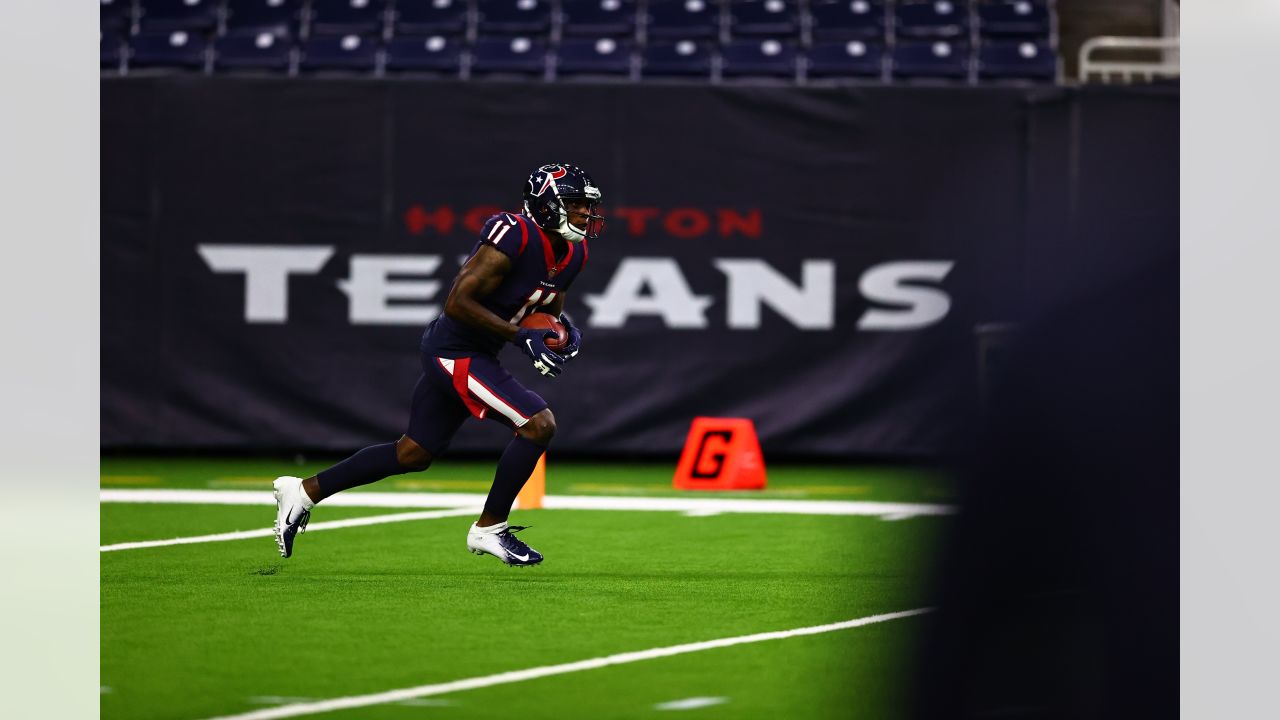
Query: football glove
[[532, 343], [570, 351]]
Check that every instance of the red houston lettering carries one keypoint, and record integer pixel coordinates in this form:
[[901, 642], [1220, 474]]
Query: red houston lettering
[[687, 222], [731, 221], [477, 216], [636, 218], [417, 219]]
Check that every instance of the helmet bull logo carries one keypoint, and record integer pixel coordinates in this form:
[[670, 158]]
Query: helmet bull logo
[[550, 177]]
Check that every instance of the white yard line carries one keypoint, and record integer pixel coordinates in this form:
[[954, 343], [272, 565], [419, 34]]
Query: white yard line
[[392, 696], [692, 703], [268, 532], [696, 505]]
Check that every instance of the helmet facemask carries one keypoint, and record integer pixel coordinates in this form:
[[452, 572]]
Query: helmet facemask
[[571, 232]]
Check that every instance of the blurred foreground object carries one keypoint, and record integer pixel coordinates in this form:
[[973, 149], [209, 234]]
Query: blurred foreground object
[[1059, 587]]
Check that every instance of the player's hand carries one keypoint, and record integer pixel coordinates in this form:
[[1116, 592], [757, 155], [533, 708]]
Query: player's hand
[[570, 351], [533, 343]]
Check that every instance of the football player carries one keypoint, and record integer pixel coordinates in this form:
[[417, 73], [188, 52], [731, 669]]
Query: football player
[[523, 262]]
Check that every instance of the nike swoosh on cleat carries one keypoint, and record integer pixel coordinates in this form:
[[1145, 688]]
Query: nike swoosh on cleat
[[521, 558]]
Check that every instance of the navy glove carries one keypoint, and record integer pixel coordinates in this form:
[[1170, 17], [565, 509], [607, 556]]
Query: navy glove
[[532, 343], [570, 351]]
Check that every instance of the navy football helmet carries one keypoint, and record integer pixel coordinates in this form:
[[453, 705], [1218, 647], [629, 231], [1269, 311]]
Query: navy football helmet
[[544, 195]]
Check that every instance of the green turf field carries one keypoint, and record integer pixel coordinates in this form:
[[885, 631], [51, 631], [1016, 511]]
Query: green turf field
[[224, 628]]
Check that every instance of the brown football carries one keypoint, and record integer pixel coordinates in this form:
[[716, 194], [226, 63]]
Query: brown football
[[545, 321]]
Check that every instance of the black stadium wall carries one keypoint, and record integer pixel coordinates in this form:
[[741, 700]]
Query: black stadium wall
[[815, 259]]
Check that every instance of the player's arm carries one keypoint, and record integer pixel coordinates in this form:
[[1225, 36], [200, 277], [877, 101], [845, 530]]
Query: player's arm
[[478, 278]]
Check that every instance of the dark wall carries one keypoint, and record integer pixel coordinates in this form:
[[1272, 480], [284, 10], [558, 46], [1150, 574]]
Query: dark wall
[[813, 258]]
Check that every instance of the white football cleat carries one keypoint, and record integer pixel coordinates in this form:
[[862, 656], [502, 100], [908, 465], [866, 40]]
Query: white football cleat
[[291, 512], [500, 541]]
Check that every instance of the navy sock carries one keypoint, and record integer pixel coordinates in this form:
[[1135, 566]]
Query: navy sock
[[369, 465], [514, 467]]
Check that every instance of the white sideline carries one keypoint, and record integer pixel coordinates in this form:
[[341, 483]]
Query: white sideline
[[390, 696], [268, 532], [707, 506]]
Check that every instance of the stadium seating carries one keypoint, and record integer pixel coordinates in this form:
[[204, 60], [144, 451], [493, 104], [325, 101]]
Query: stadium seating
[[846, 19], [176, 49], [440, 54], [347, 17], [430, 17], [1028, 19], [1014, 39], [764, 18], [601, 56], [114, 16], [193, 16], [252, 17], [681, 58], [683, 19], [514, 17], [931, 18], [265, 52], [941, 59], [758, 58], [598, 18], [111, 47], [349, 53], [846, 58], [1017, 59], [509, 55]]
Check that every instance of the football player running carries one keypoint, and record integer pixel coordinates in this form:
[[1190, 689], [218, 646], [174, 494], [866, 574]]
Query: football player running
[[523, 262]]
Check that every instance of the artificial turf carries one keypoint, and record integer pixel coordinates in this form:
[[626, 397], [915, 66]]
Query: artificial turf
[[203, 630]]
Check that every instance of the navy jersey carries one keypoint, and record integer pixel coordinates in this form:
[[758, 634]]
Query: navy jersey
[[535, 279]]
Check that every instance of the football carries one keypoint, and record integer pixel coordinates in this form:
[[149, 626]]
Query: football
[[548, 322]]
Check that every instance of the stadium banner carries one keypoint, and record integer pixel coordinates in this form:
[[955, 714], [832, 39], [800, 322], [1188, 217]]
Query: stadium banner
[[813, 259]]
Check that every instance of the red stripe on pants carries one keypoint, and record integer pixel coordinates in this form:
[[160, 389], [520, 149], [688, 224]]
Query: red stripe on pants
[[461, 371]]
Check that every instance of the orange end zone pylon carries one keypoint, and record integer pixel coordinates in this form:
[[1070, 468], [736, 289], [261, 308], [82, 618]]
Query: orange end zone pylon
[[721, 454], [535, 488]]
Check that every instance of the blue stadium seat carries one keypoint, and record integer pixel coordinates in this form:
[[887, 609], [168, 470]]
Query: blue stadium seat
[[114, 15], [252, 17], [846, 19], [1017, 59], [440, 54], [354, 53], [758, 58], [931, 18], [509, 55], [601, 56], [1014, 19], [347, 17], [428, 18], [846, 58], [265, 52], [598, 18], [168, 15], [684, 19], [931, 59], [111, 47], [680, 58], [764, 18], [176, 49], [514, 17]]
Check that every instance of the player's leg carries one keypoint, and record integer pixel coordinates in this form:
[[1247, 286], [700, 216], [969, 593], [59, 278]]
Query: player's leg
[[516, 465], [435, 416], [503, 399]]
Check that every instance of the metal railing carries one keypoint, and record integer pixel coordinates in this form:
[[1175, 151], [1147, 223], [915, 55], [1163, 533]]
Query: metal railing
[[1127, 70]]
